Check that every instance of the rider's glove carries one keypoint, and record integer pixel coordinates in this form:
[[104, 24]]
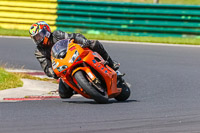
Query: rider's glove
[[86, 43]]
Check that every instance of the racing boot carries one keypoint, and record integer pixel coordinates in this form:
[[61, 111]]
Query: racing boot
[[98, 47], [113, 64]]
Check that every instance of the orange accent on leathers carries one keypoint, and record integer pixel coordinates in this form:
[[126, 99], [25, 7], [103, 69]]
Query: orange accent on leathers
[[45, 40]]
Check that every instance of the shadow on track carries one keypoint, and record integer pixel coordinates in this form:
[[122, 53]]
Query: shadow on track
[[93, 102]]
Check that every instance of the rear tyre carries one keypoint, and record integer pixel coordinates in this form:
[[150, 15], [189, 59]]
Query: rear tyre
[[64, 90], [125, 93], [84, 83]]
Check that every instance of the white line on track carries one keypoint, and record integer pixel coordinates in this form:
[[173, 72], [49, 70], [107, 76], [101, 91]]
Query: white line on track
[[15, 37], [22, 70], [122, 42], [147, 43]]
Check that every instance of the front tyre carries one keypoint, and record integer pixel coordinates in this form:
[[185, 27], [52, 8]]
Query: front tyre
[[125, 93], [84, 83]]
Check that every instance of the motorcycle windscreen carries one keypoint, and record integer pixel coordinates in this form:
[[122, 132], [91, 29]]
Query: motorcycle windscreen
[[59, 49]]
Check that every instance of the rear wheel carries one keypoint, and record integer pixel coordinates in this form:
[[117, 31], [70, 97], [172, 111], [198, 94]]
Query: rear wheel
[[64, 90], [86, 85], [125, 93]]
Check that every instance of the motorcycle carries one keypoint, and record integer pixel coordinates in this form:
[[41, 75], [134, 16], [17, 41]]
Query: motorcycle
[[87, 73]]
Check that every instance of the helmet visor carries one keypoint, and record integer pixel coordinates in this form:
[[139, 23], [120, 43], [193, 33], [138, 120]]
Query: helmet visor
[[38, 38]]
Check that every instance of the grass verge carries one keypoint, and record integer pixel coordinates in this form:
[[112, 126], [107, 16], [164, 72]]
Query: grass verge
[[13, 79], [10, 32], [9, 80], [170, 40], [27, 76]]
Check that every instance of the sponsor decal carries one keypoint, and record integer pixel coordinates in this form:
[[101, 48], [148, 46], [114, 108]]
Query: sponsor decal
[[76, 54], [72, 48], [94, 61]]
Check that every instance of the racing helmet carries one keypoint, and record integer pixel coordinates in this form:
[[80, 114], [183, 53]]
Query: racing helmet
[[40, 33]]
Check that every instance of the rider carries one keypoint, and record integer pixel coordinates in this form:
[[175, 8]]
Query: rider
[[44, 39]]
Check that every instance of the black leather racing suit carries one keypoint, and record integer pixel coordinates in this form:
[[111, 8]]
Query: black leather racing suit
[[43, 55]]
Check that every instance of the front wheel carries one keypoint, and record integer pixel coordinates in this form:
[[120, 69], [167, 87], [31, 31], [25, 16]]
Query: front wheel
[[84, 83], [125, 93]]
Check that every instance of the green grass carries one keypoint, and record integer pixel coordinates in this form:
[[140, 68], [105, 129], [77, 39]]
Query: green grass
[[9, 80], [10, 32], [182, 2], [27, 76], [170, 40], [12, 79]]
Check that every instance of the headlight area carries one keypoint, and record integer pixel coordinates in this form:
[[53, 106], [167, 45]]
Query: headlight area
[[61, 68]]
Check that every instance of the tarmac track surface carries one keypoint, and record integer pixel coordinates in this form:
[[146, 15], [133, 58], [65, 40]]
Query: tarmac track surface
[[164, 82]]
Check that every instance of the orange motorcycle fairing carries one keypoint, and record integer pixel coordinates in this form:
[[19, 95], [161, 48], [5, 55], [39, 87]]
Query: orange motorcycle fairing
[[94, 60], [84, 59]]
